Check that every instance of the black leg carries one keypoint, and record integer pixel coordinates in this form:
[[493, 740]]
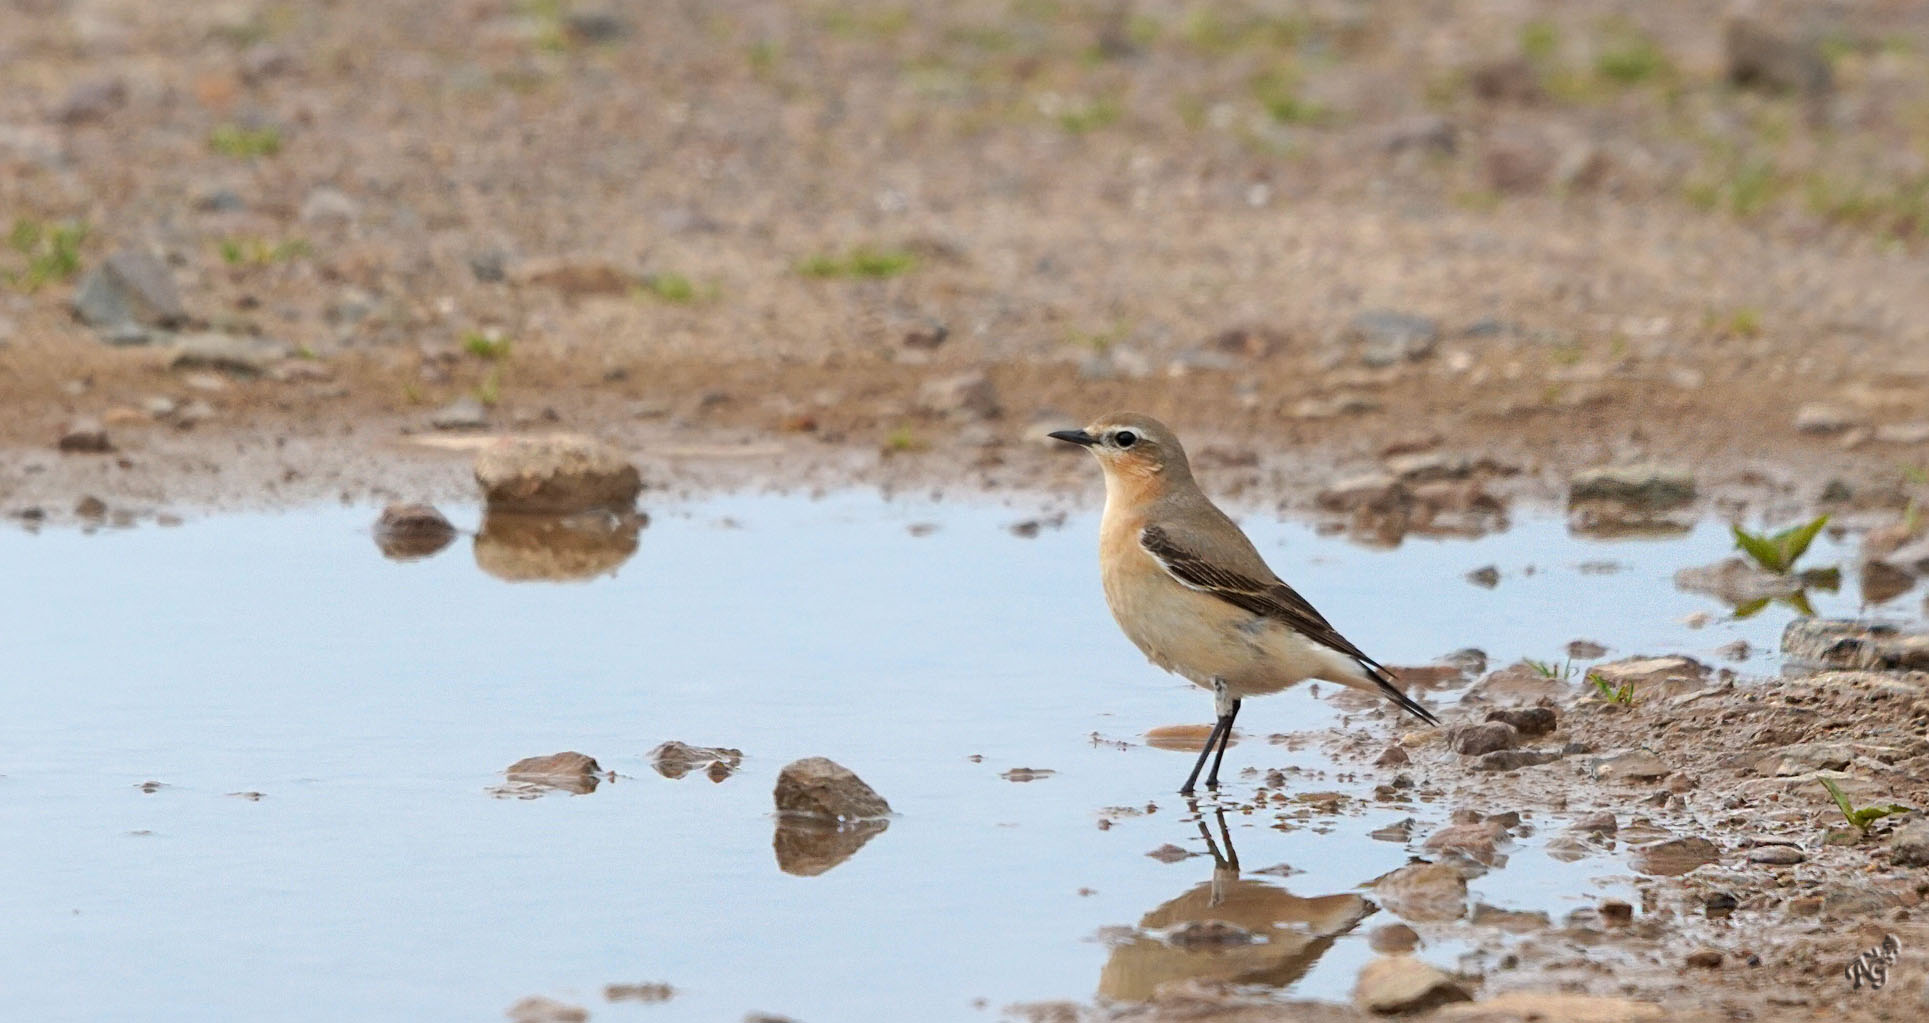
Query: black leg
[[1225, 739], [1200, 764]]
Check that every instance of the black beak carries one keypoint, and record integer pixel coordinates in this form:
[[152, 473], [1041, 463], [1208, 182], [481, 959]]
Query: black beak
[[1078, 437]]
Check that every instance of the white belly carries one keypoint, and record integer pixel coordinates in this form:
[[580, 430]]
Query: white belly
[[1202, 638]]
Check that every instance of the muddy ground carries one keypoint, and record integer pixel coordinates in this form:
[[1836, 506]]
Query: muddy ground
[[822, 245]]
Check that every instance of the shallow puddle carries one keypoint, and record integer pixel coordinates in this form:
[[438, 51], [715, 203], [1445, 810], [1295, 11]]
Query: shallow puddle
[[326, 727]]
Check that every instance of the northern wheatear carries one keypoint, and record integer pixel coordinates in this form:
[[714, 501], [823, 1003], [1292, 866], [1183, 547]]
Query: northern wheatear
[[1192, 592]]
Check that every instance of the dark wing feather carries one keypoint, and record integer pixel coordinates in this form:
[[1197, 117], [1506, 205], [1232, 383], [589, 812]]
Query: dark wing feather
[[1268, 599]]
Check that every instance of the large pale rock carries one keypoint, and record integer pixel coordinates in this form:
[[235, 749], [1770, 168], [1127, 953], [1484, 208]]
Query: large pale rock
[[1401, 984], [822, 788], [1423, 892], [556, 475], [1840, 643]]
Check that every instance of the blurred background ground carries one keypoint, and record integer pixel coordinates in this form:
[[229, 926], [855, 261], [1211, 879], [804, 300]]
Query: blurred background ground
[[1558, 234]]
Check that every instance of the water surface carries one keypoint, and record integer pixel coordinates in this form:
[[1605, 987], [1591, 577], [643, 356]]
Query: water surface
[[372, 704]]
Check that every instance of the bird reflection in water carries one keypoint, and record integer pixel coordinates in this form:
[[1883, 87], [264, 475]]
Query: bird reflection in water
[[1230, 928]]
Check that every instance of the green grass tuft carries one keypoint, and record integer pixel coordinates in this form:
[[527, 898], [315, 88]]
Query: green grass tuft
[[245, 143], [51, 251]]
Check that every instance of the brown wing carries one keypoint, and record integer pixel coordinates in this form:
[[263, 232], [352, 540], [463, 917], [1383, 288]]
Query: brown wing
[[1273, 599], [1269, 599]]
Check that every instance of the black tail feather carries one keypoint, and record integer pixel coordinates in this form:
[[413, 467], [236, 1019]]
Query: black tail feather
[[1405, 702]]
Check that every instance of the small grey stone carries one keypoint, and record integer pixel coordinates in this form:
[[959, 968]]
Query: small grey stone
[[220, 199], [1643, 486], [1528, 721], [130, 286], [464, 413], [1762, 56], [490, 266], [964, 394], [1820, 417], [1909, 846], [328, 205], [1634, 765], [1514, 759], [1486, 577], [85, 436], [596, 26], [1602, 823], [1776, 855], [91, 100], [1485, 737], [228, 353], [1387, 338]]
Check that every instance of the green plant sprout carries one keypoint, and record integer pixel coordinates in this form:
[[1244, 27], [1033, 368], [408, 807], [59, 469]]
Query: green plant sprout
[[1622, 694], [1779, 552], [1865, 816]]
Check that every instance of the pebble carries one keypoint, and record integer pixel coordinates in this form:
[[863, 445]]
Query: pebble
[[1487, 576], [674, 759], [326, 205], [1485, 737], [968, 395], [464, 413], [1702, 959], [556, 475], [1765, 57], [1824, 419], [1423, 892], [567, 771], [1909, 846], [409, 531], [1528, 721], [1513, 759], [1842, 643], [85, 436], [227, 353], [1776, 855], [1602, 823], [1674, 856], [1393, 938], [129, 286], [1634, 765], [91, 100], [1387, 338], [1649, 487], [822, 788], [1402, 984]]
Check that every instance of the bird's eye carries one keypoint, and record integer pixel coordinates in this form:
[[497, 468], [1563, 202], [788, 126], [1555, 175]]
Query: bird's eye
[[1125, 438]]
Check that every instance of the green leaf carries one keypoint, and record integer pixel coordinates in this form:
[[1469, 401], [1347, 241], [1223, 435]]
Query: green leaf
[[1751, 608], [1848, 809], [1762, 549], [1793, 542], [1799, 602]]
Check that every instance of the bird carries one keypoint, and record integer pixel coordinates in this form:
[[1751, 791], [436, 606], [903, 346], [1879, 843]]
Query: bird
[[1194, 595]]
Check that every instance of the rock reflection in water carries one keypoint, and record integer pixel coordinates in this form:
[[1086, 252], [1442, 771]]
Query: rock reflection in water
[[1228, 929], [408, 532], [806, 847], [521, 548]]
